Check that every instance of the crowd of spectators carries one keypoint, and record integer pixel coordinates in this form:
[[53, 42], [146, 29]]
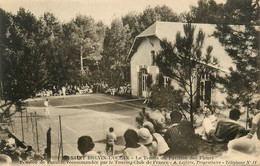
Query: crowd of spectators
[[13, 152], [65, 90], [85, 89], [180, 137]]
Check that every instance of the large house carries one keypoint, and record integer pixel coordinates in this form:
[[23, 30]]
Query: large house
[[147, 44]]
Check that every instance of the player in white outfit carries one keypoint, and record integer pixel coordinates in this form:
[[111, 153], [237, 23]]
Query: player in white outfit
[[46, 108]]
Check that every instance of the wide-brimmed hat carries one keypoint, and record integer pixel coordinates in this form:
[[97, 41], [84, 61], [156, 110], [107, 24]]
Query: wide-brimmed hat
[[145, 136], [148, 125]]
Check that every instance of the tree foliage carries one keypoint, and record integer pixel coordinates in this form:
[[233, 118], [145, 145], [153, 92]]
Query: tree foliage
[[206, 12], [82, 37], [22, 60], [242, 45], [166, 97], [183, 61], [116, 47], [138, 22], [233, 12]]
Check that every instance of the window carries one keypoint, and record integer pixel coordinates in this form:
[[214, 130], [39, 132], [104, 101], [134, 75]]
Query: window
[[153, 58]]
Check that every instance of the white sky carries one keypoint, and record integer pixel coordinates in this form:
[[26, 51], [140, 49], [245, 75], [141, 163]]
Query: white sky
[[104, 10]]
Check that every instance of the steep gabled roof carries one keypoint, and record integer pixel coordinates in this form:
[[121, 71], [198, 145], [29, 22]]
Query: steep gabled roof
[[168, 31], [150, 31]]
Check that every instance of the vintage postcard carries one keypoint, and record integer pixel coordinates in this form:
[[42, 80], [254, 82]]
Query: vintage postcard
[[140, 82]]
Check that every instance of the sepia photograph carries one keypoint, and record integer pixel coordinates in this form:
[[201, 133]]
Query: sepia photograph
[[130, 82]]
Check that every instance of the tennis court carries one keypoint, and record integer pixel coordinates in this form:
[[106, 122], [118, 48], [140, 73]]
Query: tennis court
[[90, 114]]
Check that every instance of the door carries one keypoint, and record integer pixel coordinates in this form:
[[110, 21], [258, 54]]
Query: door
[[142, 85]]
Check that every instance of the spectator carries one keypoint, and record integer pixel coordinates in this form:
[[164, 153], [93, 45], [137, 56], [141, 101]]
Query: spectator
[[16, 156], [110, 141], [148, 141], [38, 157], [180, 136], [113, 91], [29, 153], [86, 146], [10, 140], [208, 124], [229, 129], [249, 144], [162, 145], [255, 130], [132, 148], [8, 150], [2, 145], [65, 159], [45, 154]]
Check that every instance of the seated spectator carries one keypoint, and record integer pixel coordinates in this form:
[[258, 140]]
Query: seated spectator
[[208, 124], [249, 144], [2, 145], [38, 157], [148, 141], [86, 146], [9, 149], [10, 140], [132, 148], [29, 153], [180, 136], [65, 159], [229, 129], [162, 145], [45, 154], [16, 156]]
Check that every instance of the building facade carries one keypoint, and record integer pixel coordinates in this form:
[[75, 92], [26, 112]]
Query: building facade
[[146, 46]]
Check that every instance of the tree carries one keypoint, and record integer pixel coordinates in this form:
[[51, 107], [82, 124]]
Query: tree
[[23, 65], [52, 50], [233, 12], [83, 40], [116, 46], [166, 97], [138, 22], [184, 62], [207, 11], [241, 12], [242, 45]]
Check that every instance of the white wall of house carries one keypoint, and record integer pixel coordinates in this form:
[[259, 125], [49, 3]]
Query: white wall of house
[[142, 58]]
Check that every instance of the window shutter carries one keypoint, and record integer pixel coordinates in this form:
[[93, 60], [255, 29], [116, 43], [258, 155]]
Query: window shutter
[[208, 92]]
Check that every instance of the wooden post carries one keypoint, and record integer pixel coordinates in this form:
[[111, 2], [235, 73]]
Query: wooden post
[[37, 138], [22, 125], [61, 144], [31, 117], [49, 145], [247, 118], [26, 115]]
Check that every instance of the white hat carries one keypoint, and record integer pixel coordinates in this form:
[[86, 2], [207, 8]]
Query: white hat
[[145, 136], [149, 125]]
